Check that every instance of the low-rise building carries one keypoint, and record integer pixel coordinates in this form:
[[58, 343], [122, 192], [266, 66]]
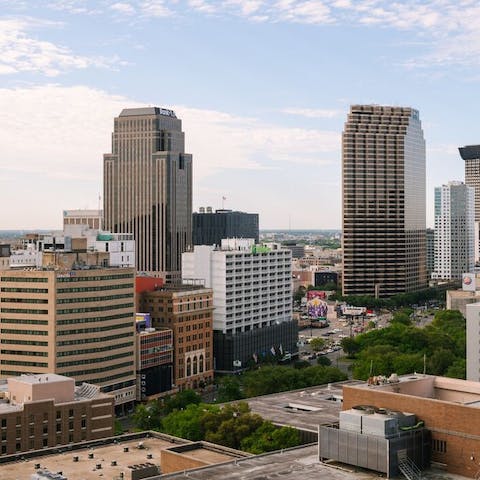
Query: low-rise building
[[40, 411], [154, 359]]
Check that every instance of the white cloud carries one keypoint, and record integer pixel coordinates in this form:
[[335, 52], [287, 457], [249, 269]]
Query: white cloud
[[24, 53], [155, 8], [56, 136], [312, 112], [122, 7]]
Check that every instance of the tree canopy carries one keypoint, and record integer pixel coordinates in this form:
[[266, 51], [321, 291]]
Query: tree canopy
[[403, 348]]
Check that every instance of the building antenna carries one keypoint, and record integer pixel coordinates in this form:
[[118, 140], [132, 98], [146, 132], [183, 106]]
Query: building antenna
[[223, 202]]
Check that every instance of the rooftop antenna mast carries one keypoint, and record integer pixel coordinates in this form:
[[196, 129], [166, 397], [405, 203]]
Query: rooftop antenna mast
[[223, 202]]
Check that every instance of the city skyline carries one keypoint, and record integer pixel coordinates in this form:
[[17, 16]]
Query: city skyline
[[262, 88]]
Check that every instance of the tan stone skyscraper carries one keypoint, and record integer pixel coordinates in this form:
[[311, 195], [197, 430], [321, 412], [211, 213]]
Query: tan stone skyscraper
[[148, 187], [384, 234]]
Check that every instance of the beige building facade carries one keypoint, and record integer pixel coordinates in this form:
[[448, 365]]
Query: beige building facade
[[77, 323]]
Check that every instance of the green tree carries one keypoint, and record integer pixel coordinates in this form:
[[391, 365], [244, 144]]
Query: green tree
[[458, 369], [350, 346], [180, 401], [185, 423], [323, 360], [229, 389], [147, 416], [231, 431], [402, 317], [269, 438], [439, 362], [299, 294], [317, 344]]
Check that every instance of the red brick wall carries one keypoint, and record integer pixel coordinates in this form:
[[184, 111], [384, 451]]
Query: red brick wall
[[458, 425]]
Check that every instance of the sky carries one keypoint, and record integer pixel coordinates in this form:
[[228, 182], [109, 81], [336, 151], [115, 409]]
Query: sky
[[263, 88]]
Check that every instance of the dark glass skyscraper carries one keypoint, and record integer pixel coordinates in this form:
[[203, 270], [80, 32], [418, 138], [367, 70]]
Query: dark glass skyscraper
[[210, 227], [383, 201], [148, 187]]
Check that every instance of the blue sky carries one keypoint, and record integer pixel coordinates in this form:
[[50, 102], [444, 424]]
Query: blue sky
[[262, 86]]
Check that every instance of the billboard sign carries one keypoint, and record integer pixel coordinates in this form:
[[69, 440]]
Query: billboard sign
[[353, 311], [469, 282], [316, 306]]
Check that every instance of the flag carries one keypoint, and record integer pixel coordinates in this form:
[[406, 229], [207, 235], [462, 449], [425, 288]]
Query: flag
[[272, 350], [281, 349], [224, 198], [255, 357]]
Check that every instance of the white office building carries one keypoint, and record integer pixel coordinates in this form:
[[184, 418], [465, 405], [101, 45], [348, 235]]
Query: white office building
[[454, 240], [252, 297]]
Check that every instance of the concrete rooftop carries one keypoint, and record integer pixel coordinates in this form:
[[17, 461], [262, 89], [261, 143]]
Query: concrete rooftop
[[303, 409]]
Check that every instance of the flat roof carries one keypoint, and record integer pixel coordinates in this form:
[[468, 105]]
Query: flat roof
[[303, 409], [444, 389], [135, 112], [104, 454], [290, 464], [34, 378]]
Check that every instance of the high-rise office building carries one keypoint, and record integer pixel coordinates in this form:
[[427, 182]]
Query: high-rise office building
[[471, 155], [383, 201], [430, 251], [148, 188], [75, 321], [454, 231], [210, 227]]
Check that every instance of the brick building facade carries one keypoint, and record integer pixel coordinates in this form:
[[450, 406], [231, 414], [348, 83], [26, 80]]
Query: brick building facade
[[449, 407]]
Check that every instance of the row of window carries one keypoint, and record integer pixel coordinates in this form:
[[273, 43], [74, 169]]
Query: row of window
[[24, 364], [24, 300], [96, 278], [7, 341], [82, 341], [24, 279], [75, 321], [98, 288], [93, 309], [12, 331], [77, 331], [23, 352], [23, 290], [27, 311], [94, 350], [24, 321], [94, 299], [77, 373], [89, 361]]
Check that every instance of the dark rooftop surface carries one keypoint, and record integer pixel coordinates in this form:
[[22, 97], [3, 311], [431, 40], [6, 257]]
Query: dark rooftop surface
[[470, 152], [303, 409], [135, 112]]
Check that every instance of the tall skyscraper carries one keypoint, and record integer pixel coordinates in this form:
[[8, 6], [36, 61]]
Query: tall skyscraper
[[148, 188], [454, 231], [383, 201], [471, 155]]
